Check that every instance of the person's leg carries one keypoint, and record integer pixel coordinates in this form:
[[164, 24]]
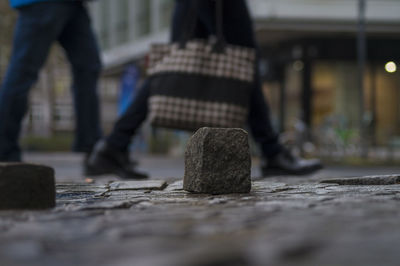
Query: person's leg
[[38, 25], [127, 125], [79, 42], [238, 29], [111, 155], [81, 47], [259, 120]]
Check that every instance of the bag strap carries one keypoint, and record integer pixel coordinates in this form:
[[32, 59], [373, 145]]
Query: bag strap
[[191, 21], [219, 12]]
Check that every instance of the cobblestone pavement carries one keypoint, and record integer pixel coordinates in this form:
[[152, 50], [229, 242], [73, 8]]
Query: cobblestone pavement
[[283, 221]]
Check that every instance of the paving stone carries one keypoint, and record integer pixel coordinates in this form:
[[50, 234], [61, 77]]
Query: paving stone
[[217, 161], [138, 185], [264, 186], [282, 224], [175, 186], [81, 187], [24, 250], [366, 180], [119, 195], [26, 186], [125, 204]]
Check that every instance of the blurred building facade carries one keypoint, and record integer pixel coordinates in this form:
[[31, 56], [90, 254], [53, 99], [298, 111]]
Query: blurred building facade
[[310, 66], [309, 62]]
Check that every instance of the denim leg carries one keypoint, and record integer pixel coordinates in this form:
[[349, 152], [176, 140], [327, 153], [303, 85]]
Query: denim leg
[[79, 42], [131, 120], [37, 27]]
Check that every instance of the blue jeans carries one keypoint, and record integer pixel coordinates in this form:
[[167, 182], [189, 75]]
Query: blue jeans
[[238, 29], [38, 26]]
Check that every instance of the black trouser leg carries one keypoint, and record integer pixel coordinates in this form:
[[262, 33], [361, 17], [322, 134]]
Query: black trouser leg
[[131, 120]]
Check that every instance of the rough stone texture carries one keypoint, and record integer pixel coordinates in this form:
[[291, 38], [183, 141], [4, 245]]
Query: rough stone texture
[[366, 180], [284, 221], [217, 161], [276, 224], [26, 186]]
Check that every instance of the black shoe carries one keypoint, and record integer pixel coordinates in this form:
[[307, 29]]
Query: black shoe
[[104, 160], [285, 163]]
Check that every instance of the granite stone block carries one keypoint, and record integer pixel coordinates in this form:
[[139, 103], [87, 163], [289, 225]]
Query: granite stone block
[[26, 186], [217, 161]]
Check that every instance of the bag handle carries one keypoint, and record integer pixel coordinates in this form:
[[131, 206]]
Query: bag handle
[[220, 43], [191, 21], [190, 24]]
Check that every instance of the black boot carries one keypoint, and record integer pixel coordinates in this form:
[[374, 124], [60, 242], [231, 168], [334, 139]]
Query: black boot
[[285, 163], [104, 160]]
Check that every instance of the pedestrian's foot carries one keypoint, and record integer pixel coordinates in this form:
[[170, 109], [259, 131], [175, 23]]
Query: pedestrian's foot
[[105, 160], [285, 163]]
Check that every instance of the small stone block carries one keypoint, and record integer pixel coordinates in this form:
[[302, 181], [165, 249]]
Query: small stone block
[[26, 186], [217, 161]]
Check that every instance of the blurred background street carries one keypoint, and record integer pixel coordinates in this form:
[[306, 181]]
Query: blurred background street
[[329, 72]]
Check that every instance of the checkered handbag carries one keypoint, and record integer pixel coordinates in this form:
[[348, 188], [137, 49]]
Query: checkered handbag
[[195, 85]]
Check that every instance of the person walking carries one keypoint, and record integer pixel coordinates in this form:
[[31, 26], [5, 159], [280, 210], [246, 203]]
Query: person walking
[[40, 24], [237, 30]]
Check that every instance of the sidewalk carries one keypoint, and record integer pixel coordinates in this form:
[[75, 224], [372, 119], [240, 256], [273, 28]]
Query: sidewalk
[[68, 168], [283, 221]]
